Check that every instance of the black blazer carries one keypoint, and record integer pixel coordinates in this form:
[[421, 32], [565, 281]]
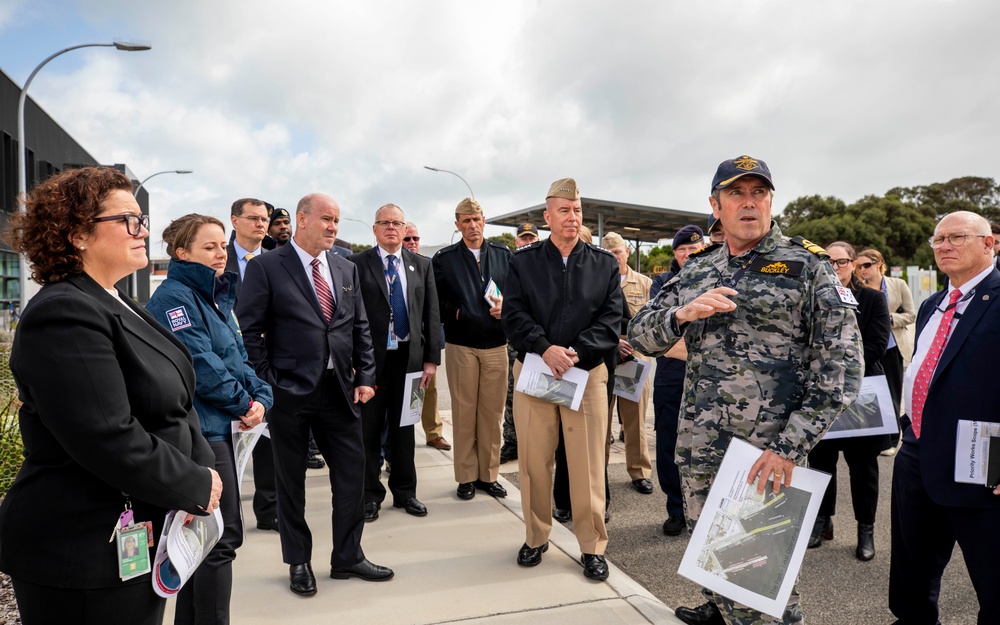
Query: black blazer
[[875, 325], [107, 408], [421, 306], [959, 390], [286, 336]]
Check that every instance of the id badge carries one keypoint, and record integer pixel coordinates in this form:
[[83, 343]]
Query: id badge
[[393, 341], [133, 546]]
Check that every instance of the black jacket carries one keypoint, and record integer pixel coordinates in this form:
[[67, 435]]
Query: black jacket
[[461, 286], [578, 306]]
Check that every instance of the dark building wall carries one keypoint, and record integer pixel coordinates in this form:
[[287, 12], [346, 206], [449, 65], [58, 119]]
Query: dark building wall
[[50, 150]]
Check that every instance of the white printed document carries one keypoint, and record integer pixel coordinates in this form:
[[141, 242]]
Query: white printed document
[[873, 412], [631, 377], [975, 444], [243, 444], [749, 547], [413, 399], [536, 379]]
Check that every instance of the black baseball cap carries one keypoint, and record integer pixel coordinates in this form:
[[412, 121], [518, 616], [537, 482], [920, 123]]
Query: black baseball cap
[[688, 234], [527, 229], [732, 170]]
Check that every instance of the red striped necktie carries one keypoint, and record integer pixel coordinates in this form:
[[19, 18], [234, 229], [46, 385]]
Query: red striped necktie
[[922, 383], [323, 291]]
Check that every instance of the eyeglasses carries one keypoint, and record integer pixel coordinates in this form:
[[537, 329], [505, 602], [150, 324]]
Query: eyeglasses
[[840, 262], [257, 220], [133, 223], [957, 240], [868, 265], [414, 239], [386, 224]]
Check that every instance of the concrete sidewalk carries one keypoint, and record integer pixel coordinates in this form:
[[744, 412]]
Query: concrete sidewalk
[[457, 564]]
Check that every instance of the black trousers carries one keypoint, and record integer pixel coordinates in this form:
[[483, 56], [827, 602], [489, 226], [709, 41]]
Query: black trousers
[[892, 364], [381, 414], [204, 600], [338, 435], [128, 604], [666, 411], [861, 455], [923, 538], [265, 499]]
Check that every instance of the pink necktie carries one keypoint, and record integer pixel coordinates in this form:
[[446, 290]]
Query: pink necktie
[[323, 291], [922, 383]]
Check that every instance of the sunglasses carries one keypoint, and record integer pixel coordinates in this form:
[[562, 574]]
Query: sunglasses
[[868, 265], [408, 239]]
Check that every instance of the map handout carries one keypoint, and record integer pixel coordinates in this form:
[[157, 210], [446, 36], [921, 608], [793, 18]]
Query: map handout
[[413, 399], [631, 377], [185, 542], [536, 379], [872, 413], [749, 547], [243, 444]]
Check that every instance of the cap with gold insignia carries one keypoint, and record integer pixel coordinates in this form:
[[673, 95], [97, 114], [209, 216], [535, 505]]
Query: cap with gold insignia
[[688, 234], [468, 206], [732, 170], [564, 188], [278, 213], [525, 229]]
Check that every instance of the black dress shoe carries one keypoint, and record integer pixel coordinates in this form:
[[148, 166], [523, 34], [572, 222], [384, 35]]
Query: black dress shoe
[[371, 511], [412, 506], [561, 515], [314, 462], [466, 490], [643, 485], [866, 542], [705, 614], [594, 567], [508, 453], [364, 569], [674, 525], [530, 556], [491, 488], [269, 525], [301, 579]]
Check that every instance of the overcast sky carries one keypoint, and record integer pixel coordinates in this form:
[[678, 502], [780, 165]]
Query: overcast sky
[[639, 101]]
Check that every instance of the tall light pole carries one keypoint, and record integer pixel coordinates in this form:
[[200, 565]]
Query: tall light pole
[[22, 149], [165, 171], [471, 194]]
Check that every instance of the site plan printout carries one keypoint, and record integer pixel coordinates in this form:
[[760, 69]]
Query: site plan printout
[[749, 547]]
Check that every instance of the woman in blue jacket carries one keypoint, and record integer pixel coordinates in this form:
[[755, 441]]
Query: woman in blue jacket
[[195, 302]]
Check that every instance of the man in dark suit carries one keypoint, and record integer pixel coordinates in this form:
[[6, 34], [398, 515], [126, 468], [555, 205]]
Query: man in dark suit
[[956, 338], [250, 221], [306, 332], [402, 305]]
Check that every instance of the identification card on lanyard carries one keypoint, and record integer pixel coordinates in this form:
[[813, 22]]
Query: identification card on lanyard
[[392, 341], [132, 541]]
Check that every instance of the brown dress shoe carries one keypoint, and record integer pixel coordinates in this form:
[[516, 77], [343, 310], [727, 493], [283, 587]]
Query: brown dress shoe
[[439, 443]]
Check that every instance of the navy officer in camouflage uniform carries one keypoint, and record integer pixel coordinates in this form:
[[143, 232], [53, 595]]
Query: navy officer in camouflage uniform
[[774, 352]]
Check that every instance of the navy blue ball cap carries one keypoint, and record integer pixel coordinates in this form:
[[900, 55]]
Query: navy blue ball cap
[[732, 170], [712, 221], [279, 213], [688, 234]]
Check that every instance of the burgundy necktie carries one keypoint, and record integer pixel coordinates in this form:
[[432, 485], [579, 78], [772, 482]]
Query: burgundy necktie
[[323, 291], [922, 383]]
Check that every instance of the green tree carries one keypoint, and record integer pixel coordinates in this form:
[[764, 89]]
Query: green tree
[[359, 247], [970, 193], [808, 208], [504, 239]]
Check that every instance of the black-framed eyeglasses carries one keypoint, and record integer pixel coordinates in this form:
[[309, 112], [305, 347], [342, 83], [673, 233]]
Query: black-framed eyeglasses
[[868, 265], [133, 223], [408, 239], [386, 224], [839, 262], [957, 240]]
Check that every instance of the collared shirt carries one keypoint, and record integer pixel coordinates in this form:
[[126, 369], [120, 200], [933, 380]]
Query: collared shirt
[[307, 260], [383, 254], [241, 255], [926, 336]]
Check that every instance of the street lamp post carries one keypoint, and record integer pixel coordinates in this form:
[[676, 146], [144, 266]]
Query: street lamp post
[[165, 171], [22, 149], [471, 194]]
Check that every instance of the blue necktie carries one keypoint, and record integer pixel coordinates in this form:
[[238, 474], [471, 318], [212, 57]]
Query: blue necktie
[[399, 318]]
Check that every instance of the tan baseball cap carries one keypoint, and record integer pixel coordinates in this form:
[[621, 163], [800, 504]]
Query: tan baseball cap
[[564, 188], [468, 206]]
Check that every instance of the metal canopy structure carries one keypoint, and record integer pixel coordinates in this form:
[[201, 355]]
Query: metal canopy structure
[[645, 224]]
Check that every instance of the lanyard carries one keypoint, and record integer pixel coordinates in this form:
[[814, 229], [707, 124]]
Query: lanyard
[[732, 282], [390, 281]]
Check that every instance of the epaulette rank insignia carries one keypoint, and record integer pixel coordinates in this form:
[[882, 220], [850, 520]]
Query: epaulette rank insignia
[[703, 250], [783, 267], [810, 246]]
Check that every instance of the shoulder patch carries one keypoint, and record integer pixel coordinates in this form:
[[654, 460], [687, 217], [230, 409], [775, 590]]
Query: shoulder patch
[[846, 296], [786, 267], [810, 246], [178, 319], [599, 249], [704, 250], [530, 246]]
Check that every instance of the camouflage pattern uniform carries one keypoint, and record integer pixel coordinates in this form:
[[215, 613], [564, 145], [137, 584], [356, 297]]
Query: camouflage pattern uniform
[[775, 372]]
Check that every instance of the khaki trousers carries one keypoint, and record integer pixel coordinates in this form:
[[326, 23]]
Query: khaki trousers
[[477, 379], [633, 414], [430, 417], [585, 432]]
